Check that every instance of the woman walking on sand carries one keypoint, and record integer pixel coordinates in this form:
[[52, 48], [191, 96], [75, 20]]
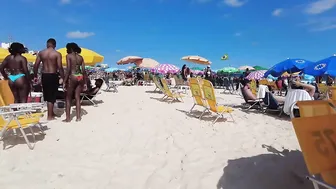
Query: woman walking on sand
[[19, 77], [75, 79]]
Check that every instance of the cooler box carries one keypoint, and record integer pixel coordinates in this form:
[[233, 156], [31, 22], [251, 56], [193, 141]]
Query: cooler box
[[35, 97]]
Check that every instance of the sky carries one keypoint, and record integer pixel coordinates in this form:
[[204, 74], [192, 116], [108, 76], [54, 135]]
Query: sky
[[251, 32]]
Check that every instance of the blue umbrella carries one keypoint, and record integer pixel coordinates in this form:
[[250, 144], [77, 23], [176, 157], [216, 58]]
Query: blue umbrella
[[289, 65], [326, 66], [111, 69]]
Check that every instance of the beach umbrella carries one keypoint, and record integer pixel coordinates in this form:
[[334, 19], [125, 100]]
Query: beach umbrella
[[3, 54], [90, 57], [196, 59], [256, 75], [259, 68], [243, 68], [228, 70], [147, 63], [286, 74], [129, 60], [29, 57], [323, 67], [288, 65], [165, 68], [197, 68], [110, 69]]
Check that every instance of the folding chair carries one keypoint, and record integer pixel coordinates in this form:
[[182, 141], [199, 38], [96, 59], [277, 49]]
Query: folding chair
[[90, 98], [316, 132]]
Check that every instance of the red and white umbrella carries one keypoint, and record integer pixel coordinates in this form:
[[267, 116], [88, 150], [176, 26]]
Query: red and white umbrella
[[165, 68], [256, 75]]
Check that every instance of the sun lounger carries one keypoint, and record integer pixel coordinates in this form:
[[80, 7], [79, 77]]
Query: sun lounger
[[315, 131], [90, 98], [271, 104], [173, 95], [197, 94], [18, 120], [209, 95]]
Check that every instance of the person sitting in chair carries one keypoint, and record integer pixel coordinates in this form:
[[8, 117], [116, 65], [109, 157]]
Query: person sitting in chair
[[93, 91]]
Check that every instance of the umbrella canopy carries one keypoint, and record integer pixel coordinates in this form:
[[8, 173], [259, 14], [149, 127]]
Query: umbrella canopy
[[197, 68], [228, 70], [256, 75], [165, 68], [111, 69], [4, 53], [259, 68], [286, 74], [147, 63], [325, 66], [29, 57], [196, 60], [90, 57], [289, 65], [243, 68], [129, 60]]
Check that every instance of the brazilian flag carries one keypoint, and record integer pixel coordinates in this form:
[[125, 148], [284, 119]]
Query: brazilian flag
[[225, 57]]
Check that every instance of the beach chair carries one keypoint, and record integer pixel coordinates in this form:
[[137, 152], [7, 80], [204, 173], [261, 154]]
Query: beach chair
[[146, 80], [197, 94], [90, 98], [19, 120], [251, 103], [173, 95], [210, 97], [316, 133], [271, 104]]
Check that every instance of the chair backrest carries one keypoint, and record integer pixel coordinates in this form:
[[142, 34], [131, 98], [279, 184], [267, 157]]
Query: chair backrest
[[270, 101], [263, 82], [254, 87], [146, 77], [196, 92], [316, 133], [209, 95], [323, 88], [157, 83], [166, 88], [6, 93]]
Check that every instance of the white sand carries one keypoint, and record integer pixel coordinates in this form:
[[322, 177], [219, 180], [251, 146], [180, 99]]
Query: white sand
[[134, 141]]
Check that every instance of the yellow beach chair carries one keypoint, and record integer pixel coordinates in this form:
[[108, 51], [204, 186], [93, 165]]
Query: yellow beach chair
[[197, 95], [210, 97], [316, 132], [15, 121], [169, 94]]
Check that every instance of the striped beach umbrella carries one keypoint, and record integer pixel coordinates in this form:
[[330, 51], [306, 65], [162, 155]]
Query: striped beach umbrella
[[165, 68], [256, 75]]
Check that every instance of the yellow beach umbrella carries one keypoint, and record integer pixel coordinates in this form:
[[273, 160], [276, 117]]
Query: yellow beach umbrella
[[90, 57], [29, 57], [3, 54]]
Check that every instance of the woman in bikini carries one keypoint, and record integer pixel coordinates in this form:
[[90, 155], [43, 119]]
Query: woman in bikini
[[18, 78], [75, 79]]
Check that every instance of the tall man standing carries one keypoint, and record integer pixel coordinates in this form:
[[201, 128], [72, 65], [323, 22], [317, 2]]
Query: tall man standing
[[52, 62]]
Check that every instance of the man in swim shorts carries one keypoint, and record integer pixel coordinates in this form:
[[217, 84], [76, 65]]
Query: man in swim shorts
[[52, 62]]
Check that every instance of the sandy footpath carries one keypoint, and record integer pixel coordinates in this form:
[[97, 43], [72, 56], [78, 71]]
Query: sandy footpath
[[132, 140]]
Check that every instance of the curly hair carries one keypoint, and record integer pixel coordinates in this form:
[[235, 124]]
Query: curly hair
[[73, 47], [16, 48]]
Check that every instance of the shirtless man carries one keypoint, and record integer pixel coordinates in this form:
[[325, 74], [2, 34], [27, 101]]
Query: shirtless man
[[52, 62]]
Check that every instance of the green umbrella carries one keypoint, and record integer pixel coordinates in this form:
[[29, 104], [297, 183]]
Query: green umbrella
[[228, 70], [197, 68], [259, 68]]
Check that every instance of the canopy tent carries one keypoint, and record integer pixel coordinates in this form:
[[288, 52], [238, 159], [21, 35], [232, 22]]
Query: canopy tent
[[90, 57]]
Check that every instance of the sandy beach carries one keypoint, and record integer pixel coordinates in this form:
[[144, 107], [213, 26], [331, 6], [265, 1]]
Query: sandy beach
[[132, 140]]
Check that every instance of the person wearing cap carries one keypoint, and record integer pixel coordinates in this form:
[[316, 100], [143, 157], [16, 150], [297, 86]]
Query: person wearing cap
[[207, 73]]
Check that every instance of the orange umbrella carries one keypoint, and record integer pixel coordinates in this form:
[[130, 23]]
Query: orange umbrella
[[146, 63], [196, 60], [129, 59]]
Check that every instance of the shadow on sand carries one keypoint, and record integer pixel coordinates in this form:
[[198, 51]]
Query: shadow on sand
[[166, 100], [280, 170], [13, 138], [207, 116], [154, 92]]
